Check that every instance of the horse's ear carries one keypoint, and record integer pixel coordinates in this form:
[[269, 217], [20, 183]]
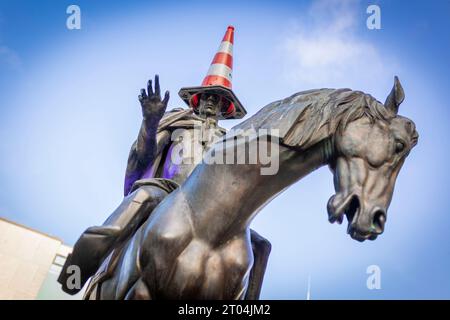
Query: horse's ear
[[396, 97]]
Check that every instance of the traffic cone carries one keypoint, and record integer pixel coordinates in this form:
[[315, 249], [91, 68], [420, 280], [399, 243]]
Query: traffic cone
[[218, 81]]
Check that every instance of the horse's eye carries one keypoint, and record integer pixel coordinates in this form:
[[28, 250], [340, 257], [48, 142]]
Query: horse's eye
[[399, 146]]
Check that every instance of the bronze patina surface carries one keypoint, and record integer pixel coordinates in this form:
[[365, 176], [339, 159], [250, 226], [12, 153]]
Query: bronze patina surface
[[194, 242]]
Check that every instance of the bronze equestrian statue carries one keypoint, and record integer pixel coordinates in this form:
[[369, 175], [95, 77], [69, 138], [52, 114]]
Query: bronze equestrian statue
[[182, 230], [196, 243]]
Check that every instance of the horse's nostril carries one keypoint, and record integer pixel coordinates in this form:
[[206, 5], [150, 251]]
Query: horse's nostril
[[379, 219]]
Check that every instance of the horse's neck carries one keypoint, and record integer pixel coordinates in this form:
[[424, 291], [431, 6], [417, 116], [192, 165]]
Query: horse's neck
[[225, 198]]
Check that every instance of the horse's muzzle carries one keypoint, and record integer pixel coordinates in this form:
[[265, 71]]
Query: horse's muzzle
[[362, 224]]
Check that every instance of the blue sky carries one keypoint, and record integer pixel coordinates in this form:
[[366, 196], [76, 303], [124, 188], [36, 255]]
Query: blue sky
[[69, 113]]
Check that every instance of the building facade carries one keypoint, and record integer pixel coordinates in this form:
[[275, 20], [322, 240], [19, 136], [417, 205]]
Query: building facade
[[30, 262]]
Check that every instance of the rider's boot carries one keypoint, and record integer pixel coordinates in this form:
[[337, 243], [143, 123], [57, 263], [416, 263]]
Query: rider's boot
[[88, 252]]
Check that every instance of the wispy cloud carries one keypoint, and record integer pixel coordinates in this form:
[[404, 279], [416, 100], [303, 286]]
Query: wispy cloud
[[324, 48], [9, 58]]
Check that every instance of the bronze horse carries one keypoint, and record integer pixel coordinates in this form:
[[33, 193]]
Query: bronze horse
[[196, 242]]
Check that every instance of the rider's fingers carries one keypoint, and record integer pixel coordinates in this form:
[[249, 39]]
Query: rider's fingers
[[166, 97], [150, 87], [143, 93], [157, 89]]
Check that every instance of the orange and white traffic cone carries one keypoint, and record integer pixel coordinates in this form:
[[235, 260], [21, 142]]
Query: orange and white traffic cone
[[218, 80]]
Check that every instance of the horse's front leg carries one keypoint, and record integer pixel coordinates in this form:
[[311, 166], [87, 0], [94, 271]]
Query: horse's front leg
[[261, 250]]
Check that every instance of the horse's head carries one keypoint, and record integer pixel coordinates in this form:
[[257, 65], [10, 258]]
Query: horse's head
[[368, 158]]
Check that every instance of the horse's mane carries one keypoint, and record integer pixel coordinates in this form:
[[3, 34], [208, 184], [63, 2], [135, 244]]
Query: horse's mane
[[308, 117]]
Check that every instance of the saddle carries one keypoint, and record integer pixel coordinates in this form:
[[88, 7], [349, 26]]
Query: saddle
[[100, 245], [109, 264]]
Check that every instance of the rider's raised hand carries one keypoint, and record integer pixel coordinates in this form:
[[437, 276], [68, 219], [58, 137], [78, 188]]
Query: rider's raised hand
[[153, 107]]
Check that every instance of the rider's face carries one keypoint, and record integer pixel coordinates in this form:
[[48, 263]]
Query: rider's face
[[210, 105]]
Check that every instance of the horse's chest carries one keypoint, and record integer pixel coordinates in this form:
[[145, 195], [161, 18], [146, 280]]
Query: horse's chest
[[213, 273]]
